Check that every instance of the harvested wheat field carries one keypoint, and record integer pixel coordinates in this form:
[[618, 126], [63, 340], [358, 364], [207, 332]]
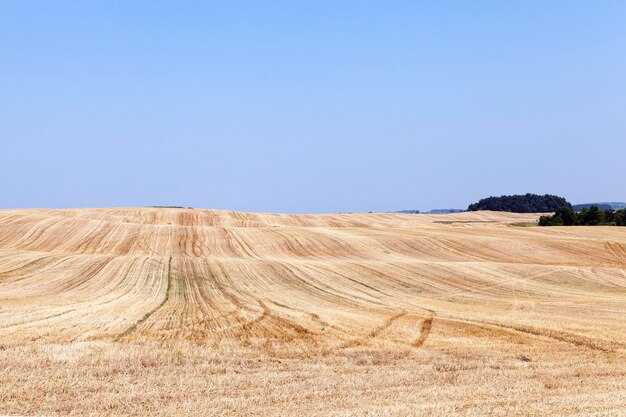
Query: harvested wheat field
[[162, 311]]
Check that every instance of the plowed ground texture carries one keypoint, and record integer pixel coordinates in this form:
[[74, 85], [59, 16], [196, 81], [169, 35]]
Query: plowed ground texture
[[163, 311]]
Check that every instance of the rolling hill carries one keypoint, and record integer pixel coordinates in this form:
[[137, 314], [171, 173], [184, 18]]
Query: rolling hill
[[163, 311]]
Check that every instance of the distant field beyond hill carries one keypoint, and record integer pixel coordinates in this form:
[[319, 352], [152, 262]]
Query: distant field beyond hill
[[168, 311]]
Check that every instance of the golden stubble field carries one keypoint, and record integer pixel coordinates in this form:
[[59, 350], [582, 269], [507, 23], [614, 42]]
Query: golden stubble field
[[155, 311]]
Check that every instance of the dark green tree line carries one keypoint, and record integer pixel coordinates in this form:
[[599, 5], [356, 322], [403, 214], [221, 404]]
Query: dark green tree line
[[527, 203], [589, 216]]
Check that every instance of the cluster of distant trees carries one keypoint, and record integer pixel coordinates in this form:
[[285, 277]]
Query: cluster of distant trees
[[527, 203], [588, 216]]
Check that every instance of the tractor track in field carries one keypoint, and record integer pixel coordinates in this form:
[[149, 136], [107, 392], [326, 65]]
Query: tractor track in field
[[373, 334], [425, 328], [146, 316], [616, 250], [555, 335], [424, 333]]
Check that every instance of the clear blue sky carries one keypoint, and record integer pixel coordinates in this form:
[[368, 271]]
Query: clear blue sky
[[310, 106]]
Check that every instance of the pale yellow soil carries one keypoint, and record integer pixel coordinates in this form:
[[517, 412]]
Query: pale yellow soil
[[196, 312]]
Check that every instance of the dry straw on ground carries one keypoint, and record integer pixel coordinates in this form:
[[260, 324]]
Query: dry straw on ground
[[195, 312]]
